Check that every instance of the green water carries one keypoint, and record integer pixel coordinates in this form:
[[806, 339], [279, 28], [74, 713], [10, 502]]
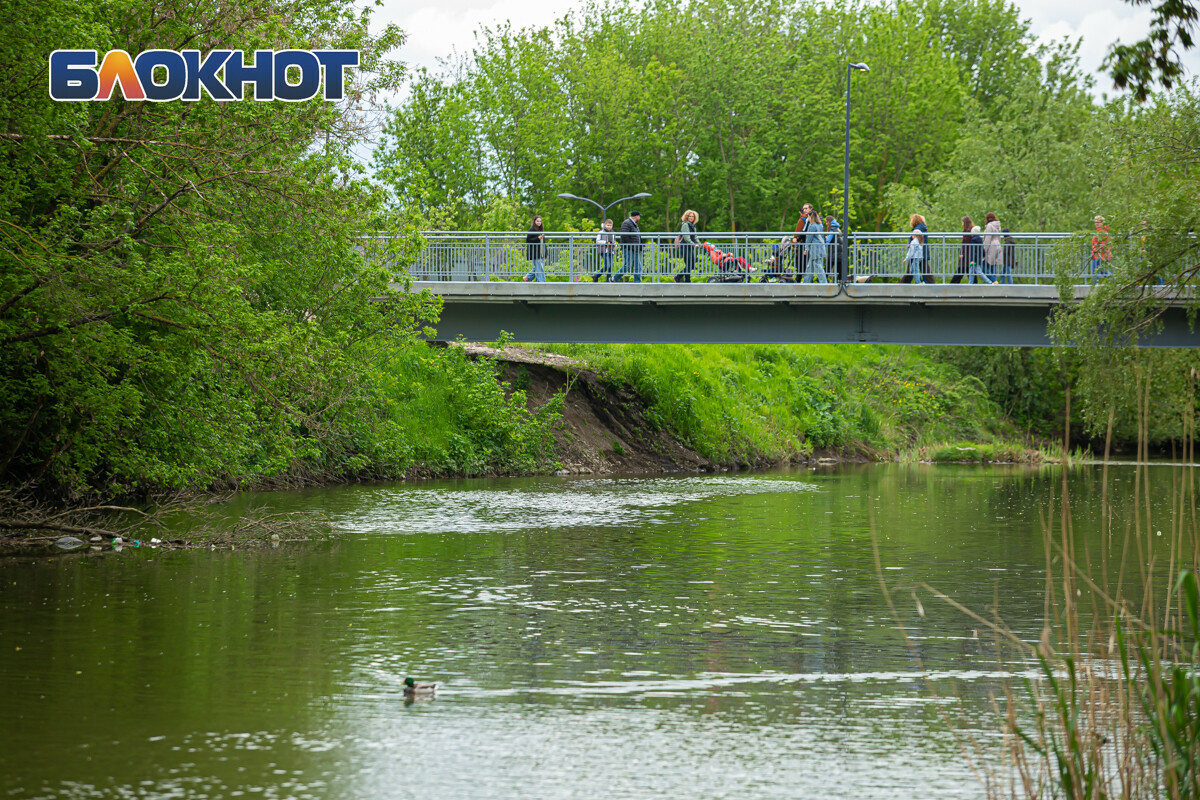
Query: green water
[[621, 638]]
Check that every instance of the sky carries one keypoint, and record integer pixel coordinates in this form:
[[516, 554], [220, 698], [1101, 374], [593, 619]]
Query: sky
[[437, 28]]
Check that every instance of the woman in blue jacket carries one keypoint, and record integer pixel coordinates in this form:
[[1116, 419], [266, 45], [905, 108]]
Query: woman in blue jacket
[[814, 250]]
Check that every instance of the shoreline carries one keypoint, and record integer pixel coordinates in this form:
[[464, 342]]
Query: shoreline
[[606, 428]]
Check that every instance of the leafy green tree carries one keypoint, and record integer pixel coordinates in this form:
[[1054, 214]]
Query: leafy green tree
[[905, 115], [1143, 65], [1037, 160], [1151, 202], [430, 156], [181, 302], [734, 109]]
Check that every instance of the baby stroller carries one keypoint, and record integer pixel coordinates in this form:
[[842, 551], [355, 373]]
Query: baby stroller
[[733, 269], [776, 267]]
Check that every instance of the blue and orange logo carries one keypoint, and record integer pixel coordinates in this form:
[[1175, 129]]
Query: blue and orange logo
[[159, 76]]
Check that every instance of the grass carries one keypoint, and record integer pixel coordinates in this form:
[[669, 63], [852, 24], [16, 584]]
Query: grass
[[1000, 452], [447, 414], [750, 404]]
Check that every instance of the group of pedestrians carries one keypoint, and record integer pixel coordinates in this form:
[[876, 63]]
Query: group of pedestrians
[[800, 257], [628, 239], [987, 255], [813, 245]]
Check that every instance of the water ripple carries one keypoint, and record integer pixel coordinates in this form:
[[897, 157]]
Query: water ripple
[[576, 503]]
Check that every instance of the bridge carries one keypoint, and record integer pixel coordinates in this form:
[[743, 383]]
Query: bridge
[[945, 314], [478, 276]]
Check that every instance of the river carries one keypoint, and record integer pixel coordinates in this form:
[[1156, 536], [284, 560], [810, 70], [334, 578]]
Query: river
[[666, 637]]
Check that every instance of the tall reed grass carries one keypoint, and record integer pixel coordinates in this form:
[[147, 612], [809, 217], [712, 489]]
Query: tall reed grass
[[1108, 702]]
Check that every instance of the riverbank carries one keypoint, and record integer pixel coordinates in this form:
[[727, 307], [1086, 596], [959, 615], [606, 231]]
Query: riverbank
[[477, 410], [755, 406]]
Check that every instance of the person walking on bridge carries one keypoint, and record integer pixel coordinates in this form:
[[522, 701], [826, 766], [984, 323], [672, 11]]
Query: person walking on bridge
[[814, 256], [631, 248], [993, 245], [914, 256], [687, 244], [606, 247], [535, 251], [801, 252], [1101, 251], [920, 271], [977, 258]]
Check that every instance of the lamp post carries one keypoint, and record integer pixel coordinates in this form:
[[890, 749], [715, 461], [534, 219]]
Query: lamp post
[[844, 262], [604, 209]]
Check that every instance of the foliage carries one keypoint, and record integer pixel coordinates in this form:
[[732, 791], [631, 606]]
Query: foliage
[[748, 403], [1028, 384], [1115, 708], [1028, 157], [182, 304], [1154, 60], [448, 414], [734, 109], [1153, 202], [969, 451], [1170, 694]]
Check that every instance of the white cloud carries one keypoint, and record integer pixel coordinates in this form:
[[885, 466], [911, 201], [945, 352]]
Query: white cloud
[[437, 29], [1098, 28]]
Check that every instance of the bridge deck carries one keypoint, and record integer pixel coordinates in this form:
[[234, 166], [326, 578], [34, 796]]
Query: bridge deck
[[940, 314]]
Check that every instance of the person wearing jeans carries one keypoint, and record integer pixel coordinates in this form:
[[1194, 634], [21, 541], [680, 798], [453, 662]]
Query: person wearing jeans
[[814, 262], [606, 245], [688, 244], [631, 248], [535, 251], [977, 259], [914, 256], [917, 222], [993, 245]]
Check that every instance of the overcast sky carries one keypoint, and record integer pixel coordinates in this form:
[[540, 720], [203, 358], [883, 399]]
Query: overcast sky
[[436, 28]]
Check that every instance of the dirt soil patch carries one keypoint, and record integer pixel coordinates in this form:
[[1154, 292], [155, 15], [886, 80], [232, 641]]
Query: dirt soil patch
[[605, 424]]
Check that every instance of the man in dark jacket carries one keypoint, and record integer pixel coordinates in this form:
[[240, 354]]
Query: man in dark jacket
[[631, 248]]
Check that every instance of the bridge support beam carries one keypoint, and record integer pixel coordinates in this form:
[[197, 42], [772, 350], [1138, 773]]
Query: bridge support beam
[[1012, 316]]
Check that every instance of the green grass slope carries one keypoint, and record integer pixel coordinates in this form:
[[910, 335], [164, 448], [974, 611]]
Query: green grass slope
[[752, 403]]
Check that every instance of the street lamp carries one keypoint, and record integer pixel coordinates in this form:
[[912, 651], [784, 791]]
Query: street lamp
[[844, 261], [604, 209]]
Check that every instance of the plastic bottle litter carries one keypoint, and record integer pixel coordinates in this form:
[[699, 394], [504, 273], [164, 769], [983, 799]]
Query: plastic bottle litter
[[69, 543]]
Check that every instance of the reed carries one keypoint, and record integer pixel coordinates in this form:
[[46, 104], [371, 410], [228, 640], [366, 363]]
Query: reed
[[1115, 712], [1109, 702]]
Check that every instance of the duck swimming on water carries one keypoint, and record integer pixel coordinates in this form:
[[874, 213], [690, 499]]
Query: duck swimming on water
[[414, 689]]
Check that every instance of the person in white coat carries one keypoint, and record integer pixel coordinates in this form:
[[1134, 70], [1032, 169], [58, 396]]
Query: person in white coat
[[993, 245]]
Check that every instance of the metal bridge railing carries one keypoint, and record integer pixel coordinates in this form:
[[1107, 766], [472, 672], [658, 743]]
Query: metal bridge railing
[[1024, 258]]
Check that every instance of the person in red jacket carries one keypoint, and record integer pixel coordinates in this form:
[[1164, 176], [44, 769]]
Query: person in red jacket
[[1101, 250]]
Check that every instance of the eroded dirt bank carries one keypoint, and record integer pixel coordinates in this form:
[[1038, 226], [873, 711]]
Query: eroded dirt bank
[[605, 425]]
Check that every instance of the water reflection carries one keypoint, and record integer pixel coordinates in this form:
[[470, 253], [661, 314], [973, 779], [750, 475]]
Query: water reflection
[[694, 636]]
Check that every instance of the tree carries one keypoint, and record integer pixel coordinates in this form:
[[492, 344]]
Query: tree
[[1031, 158], [734, 109], [1154, 60], [430, 155], [181, 302]]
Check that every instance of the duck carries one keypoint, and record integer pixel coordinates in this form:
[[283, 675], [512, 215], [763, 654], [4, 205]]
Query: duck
[[414, 689]]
